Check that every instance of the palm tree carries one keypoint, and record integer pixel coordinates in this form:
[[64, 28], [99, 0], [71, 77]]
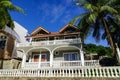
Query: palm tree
[[114, 30], [94, 18], [5, 18], [115, 4]]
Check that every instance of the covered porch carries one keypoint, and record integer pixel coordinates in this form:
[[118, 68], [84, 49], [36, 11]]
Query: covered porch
[[69, 56]]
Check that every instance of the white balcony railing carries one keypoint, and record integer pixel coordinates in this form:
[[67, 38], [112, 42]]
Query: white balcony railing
[[53, 42], [34, 65], [91, 63], [63, 72], [58, 64], [66, 63], [31, 65]]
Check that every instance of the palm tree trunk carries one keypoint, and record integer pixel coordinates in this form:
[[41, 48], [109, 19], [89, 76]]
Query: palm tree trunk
[[2, 59], [112, 44], [1, 65]]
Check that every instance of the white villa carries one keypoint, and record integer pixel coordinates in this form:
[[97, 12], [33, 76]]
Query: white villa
[[54, 49], [56, 54]]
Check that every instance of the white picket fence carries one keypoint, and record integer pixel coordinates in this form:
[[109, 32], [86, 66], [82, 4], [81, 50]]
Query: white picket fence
[[63, 72]]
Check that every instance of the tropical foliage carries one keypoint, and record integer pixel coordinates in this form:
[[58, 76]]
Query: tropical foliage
[[96, 18], [5, 18], [100, 50], [114, 23]]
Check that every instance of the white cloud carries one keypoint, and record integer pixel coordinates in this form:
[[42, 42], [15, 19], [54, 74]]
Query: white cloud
[[60, 12], [69, 1], [51, 12], [57, 12]]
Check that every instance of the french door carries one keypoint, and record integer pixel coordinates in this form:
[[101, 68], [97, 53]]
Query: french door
[[36, 57], [70, 56]]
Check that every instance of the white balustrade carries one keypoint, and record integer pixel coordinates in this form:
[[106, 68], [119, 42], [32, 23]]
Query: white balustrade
[[34, 65], [91, 63], [45, 64], [30, 65], [63, 72], [57, 64], [66, 63], [53, 42]]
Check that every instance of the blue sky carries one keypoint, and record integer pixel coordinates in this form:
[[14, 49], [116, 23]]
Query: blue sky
[[51, 14]]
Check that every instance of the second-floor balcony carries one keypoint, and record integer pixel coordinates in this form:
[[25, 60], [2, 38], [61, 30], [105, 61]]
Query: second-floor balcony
[[50, 42]]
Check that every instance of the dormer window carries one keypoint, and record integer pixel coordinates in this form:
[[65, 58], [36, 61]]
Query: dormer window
[[3, 40]]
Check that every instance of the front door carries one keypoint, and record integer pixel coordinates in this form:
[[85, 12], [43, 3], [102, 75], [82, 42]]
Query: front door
[[36, 58], [71, 56], [43, 57]]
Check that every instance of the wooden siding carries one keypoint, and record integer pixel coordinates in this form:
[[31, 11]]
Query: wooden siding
[[8, 47]]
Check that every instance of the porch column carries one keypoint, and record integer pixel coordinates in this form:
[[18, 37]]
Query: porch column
[[82, 57], [51, 59], [23, 60], [118, 52], [39, 62]]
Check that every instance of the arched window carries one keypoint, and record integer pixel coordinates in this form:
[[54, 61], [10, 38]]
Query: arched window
[[3, 40]]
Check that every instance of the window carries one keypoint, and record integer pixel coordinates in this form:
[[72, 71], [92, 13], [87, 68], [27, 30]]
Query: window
[[36, 58], [70, 56], [56, 38], [43, 57], [3, 39], [70, 37], [37, 55], [39, 39]]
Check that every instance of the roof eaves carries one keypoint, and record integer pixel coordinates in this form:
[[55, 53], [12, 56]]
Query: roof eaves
[[38, 29], [62, 29]]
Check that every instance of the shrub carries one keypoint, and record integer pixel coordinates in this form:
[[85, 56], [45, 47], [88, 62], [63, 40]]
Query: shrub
[[106, 61]]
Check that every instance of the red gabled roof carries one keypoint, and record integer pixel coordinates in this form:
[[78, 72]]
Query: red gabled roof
[[61, 32], [52, 34], [38, 29], [65, 27]]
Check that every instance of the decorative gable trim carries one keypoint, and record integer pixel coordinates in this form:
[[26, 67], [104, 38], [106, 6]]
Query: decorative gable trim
[[65, 27], [39, 29]]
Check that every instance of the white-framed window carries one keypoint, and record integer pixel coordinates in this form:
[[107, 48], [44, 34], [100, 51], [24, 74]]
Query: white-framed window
[[70, 56], [70, 36], [41, 56], [3, 40], [39, 39], [56, 38], [35, 57]]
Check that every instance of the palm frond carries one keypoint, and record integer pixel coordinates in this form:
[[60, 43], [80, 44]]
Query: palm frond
[[92, 17], [9, 20], [73, 21], [10, 6], [16, 8], [5, 18], [84, 26], [109, 9], [84, 20], [111, 2], [96, 30], [104, 35]]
